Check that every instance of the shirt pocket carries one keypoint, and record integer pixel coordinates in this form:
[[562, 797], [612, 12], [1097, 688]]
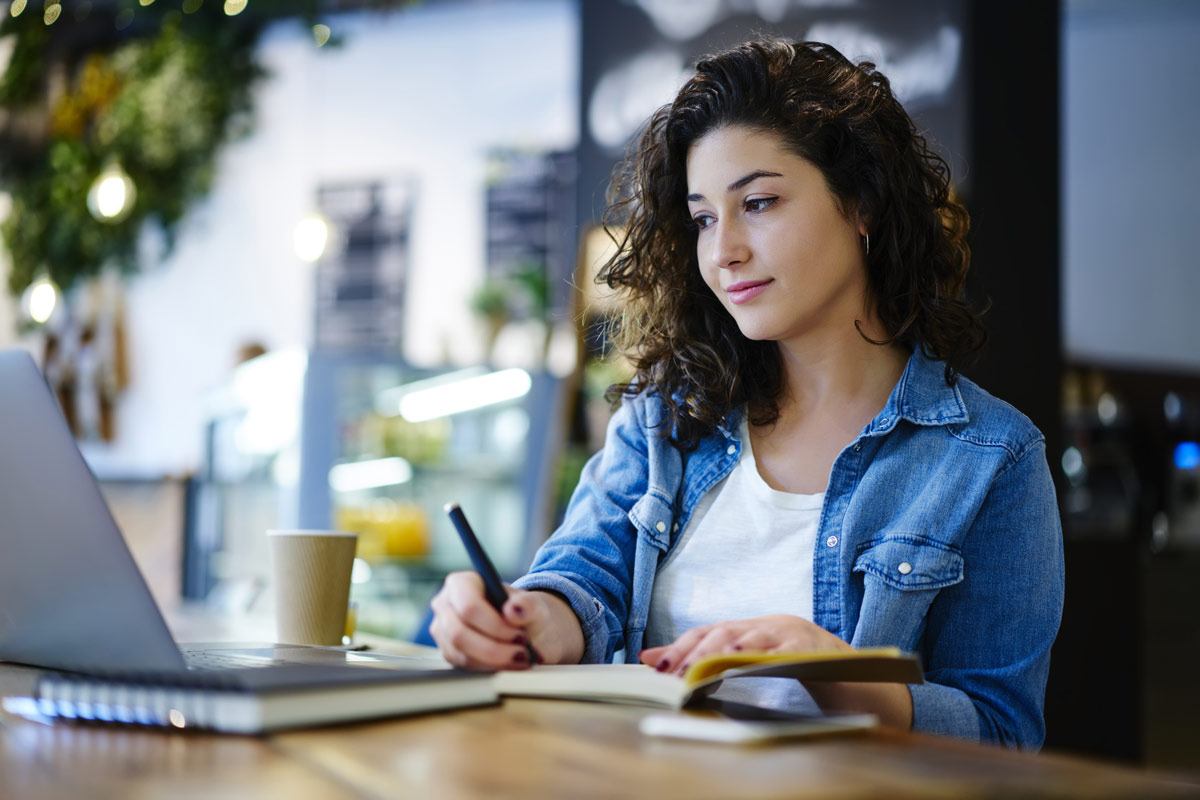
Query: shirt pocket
[[902, 574], [910, 562]]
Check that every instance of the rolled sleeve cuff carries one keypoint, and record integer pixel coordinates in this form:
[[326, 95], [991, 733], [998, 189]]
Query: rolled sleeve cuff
[[945, 711], [588, 609]]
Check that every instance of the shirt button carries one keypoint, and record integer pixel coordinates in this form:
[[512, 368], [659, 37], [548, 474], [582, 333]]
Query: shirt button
[[884, 420], [662, 527], [831, 541], [904, 567], [732, 449]]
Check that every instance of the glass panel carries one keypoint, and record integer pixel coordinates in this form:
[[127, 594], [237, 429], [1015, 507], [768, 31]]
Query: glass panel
[[409, 442]]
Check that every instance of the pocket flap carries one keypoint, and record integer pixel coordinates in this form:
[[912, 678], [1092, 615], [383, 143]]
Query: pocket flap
[[653, 517], [910, 561]]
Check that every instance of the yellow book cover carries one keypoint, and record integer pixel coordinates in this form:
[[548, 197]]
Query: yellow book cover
[[637, 683]]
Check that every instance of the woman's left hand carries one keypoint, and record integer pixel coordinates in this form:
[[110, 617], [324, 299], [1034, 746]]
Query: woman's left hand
[[776, 632]]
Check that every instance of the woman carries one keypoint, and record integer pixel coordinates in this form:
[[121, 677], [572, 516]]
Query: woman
[[797, 464]]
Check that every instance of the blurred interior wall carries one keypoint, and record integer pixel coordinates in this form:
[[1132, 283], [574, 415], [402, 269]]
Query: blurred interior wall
[[1129, 170], [150, 515], [1131, 165], [418, 93]]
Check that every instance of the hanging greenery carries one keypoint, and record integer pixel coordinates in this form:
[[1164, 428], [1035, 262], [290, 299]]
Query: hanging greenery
[[145, 93]]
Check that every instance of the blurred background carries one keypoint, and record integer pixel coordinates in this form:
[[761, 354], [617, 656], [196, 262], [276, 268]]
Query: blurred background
[[329, 264]]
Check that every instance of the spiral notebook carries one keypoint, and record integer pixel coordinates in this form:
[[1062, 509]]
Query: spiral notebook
[[74, 605]]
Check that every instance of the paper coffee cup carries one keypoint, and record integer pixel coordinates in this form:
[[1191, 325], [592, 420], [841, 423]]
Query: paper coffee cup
[[310, 571]]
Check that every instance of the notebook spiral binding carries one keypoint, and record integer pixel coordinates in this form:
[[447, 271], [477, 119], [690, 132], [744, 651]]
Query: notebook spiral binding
[[60, 697]]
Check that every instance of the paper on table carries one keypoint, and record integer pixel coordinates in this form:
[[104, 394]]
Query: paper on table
[[740, 731]]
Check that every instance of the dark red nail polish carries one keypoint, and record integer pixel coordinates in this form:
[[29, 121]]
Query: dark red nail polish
[[520, 657], [519, 611], [737, 647], [519, 640], [663, 665]]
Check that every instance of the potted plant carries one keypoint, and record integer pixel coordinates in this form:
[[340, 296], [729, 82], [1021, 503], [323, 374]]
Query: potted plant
[[490, 302]]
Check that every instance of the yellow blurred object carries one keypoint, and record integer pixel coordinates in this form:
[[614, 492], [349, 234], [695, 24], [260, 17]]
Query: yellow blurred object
[[407, 532], [386, 528], [418, 442], [356, 519], [351, 620]]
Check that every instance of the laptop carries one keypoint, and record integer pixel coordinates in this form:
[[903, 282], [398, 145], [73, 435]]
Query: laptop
[[74, 605]]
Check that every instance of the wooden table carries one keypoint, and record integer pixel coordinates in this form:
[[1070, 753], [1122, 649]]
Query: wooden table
[[529, 749], [522, 749]]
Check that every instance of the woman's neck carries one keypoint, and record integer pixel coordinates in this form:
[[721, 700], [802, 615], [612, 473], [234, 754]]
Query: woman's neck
[[850, 373], [829, 396]]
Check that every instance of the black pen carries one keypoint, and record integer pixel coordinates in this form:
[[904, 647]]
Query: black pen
[[493, 587]]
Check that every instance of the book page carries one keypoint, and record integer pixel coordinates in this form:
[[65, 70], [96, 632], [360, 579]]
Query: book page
[[628, 683]]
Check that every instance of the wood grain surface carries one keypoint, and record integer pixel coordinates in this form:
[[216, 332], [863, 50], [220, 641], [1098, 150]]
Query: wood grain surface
[[526, 748], [530, 748]]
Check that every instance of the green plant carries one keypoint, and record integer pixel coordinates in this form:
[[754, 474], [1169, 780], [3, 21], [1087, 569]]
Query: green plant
[[157, 89], [491, 299], [160, 106], [530, 276]]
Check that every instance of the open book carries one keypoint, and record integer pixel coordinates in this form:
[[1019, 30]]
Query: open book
[[640, 684]]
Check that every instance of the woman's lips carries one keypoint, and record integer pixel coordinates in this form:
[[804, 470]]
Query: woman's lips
[[744, 291]]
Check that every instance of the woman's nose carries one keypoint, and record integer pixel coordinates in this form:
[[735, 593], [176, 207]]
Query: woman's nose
[[729, 248]]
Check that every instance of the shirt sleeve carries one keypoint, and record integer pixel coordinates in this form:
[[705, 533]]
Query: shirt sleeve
[[589, 559], [988, 637]]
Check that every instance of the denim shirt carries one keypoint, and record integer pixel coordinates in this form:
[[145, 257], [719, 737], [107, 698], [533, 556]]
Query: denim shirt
[[939, 534]]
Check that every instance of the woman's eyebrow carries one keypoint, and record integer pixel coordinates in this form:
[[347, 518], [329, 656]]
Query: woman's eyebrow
[[740, 183]]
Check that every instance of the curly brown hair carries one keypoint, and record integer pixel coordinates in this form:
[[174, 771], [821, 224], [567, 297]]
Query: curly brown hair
[[844, 119]]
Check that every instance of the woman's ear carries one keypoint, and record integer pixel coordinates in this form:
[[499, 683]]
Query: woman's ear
[[861, 223]]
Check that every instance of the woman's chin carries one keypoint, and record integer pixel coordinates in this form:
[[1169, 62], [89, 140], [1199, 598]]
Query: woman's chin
[[758, 333]]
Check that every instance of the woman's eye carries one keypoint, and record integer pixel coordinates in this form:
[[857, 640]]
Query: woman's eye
[[760, 203], [703, 220]]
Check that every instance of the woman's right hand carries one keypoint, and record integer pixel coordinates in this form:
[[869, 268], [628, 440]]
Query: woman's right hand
[[471, 633]]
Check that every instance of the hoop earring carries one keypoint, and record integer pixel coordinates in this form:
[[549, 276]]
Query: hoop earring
[[867, 242]]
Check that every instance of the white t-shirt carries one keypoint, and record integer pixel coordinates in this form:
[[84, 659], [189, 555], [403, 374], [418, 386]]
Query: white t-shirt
[[747, 551]]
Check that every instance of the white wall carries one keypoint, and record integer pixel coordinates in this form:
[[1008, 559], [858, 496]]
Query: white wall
[[1131, 177], [421, 92]]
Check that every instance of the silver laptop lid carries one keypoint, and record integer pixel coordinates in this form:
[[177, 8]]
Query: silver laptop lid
[[71, 596]]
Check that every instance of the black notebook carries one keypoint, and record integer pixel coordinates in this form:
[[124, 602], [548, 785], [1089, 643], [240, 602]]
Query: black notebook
[[252, 699]]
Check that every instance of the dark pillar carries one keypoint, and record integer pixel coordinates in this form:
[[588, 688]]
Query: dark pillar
[[1013, 52]]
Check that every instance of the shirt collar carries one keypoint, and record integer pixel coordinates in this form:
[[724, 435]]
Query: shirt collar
[[922, 397]]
